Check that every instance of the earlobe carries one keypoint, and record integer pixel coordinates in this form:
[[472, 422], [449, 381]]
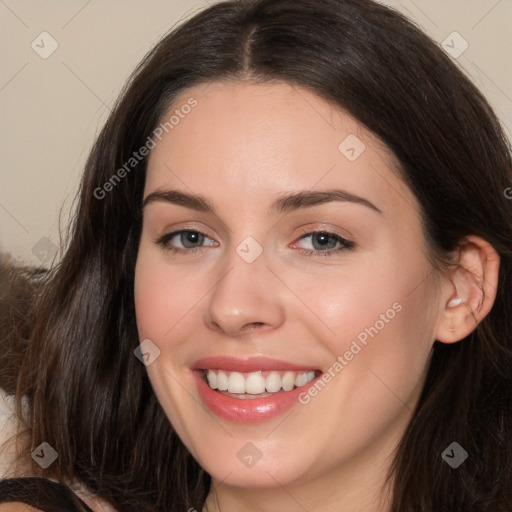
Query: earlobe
[[471, 292]]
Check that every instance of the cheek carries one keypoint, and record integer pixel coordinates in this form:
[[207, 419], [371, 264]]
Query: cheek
[[379, 353], [376, 323], [150, 296], [381, 294], [345, 304], [159, 309], [163, 295]]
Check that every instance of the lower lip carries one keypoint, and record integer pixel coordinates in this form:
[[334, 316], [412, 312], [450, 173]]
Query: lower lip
[[250, 410]]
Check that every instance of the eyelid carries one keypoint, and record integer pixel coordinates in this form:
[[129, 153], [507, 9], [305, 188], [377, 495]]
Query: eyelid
[[168, 231], [333, 234], [345, 242], [323, 227], [164, 240]]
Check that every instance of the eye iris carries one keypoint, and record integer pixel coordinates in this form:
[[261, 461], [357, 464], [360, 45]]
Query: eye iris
[[191, 237], [323, 240]]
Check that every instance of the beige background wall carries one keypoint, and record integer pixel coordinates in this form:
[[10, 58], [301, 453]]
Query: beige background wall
[[52, 108]]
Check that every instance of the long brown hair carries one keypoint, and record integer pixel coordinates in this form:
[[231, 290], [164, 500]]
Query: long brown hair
[[91, 399]]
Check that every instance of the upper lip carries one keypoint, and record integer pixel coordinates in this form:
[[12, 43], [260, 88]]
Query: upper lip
[[252, 364]]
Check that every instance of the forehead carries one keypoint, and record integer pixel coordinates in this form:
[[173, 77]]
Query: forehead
[[250, 142]]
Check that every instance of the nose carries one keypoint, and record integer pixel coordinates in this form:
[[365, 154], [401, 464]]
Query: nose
[[246, 296]]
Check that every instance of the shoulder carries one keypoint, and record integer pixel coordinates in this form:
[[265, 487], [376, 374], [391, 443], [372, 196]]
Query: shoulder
[[17, 507], [47, 495]]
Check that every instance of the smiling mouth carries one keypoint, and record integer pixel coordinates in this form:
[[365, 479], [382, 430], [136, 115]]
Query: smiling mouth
[[259, 384]]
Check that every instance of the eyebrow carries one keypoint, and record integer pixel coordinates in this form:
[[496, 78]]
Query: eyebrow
[[285, 203]]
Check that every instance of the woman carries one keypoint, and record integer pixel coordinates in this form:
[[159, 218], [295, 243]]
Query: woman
[[250, 371]]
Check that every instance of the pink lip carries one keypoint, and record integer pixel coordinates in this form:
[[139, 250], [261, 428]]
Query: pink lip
[[253, 364], [251, 410]]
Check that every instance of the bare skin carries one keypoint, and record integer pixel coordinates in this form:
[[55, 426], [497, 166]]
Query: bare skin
[[242, 147], [17, 507]]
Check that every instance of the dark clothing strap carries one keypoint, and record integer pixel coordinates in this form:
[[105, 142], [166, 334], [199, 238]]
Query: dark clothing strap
[[41, 493]]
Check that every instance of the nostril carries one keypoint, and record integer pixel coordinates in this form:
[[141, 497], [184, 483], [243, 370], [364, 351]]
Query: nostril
[[254, 325]]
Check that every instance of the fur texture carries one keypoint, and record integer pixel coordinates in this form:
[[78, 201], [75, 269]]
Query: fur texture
[[19, 288]]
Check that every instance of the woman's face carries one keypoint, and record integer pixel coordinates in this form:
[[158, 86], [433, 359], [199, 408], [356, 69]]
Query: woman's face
[[260, 301]]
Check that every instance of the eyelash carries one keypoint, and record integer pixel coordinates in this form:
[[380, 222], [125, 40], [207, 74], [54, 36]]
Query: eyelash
[[345, 244]]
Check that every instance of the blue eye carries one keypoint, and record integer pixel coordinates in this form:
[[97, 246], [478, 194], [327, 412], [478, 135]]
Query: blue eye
[[324, 243], [187, 238]]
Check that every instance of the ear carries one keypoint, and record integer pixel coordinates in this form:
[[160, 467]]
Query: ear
[[470, 291]]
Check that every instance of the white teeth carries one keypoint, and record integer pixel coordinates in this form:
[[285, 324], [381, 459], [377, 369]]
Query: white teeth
[[212, 379], [255, 383], [288, 381], [236, 383], [273, 382], [300, 380], [222, 381]]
